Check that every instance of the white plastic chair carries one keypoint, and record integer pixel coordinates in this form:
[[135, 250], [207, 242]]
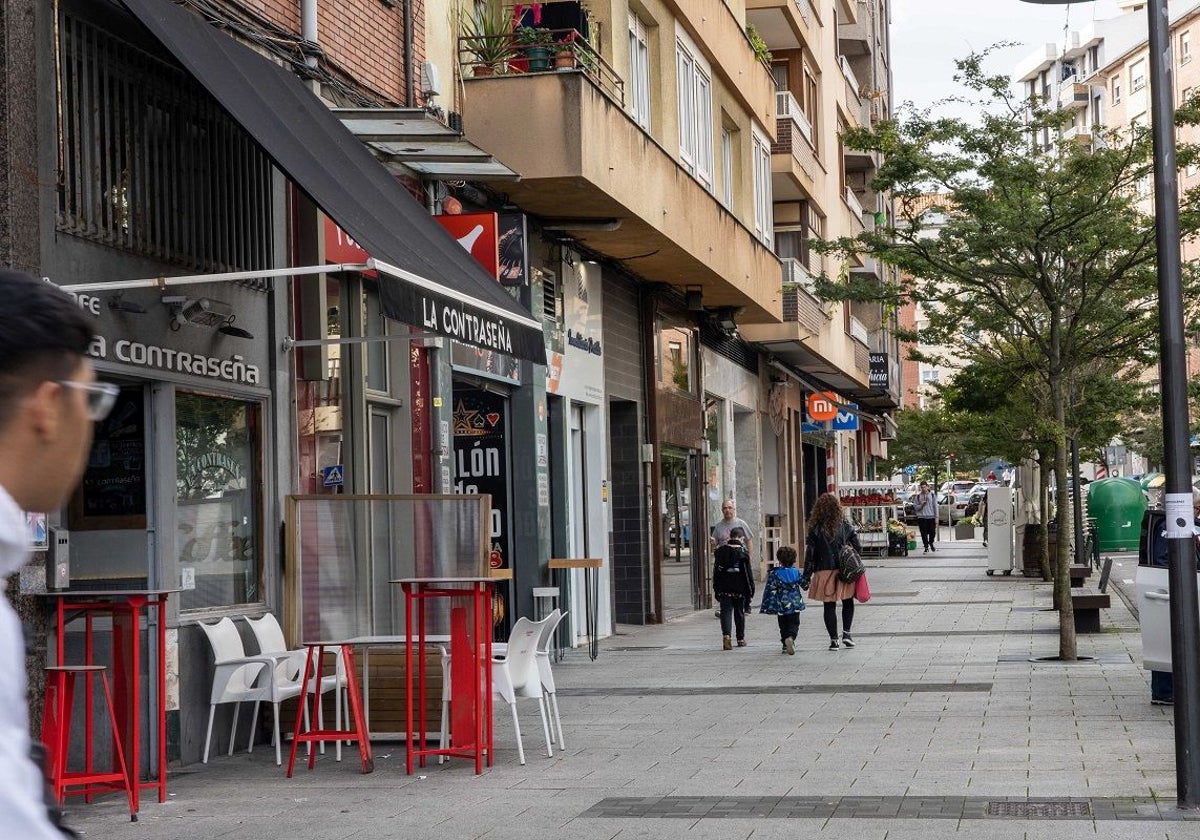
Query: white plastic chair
[[543, 658], [290, 669], [239, 678], [514, 674]]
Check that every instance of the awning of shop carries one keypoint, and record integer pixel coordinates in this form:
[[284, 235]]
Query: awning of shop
[[412, 138], [438, 286]]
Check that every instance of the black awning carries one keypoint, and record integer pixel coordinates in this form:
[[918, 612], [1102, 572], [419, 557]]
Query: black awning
[[454, 297]]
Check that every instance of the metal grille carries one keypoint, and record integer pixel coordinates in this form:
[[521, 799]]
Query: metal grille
[[149, 163], [1044, 809]]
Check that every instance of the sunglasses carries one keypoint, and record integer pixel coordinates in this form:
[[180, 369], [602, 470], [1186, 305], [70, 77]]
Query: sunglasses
[[100, 396]]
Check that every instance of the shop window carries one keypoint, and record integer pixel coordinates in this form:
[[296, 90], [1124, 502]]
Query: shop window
[[150, 164], [218, 485], [675, 359]]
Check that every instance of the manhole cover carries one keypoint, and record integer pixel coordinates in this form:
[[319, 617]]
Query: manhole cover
[[1028, 808]]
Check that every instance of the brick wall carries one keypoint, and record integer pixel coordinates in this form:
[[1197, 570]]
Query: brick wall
[[625, 386], [364, 38]]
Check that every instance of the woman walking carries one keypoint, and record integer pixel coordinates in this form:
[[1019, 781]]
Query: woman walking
[[828, 532]]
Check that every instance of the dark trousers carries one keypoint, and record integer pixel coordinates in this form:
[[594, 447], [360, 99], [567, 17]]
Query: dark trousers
[[928, 529], [732, 607], [1162, 685], [831, 617], [789, 626]]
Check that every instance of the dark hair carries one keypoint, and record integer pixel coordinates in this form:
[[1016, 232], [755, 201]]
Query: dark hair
[[786, 555], [826, 515], [737, 533], [43, 336]]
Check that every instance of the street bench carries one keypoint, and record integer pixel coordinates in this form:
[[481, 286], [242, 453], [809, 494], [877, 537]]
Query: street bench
[[1079, 574], [1086, 604]]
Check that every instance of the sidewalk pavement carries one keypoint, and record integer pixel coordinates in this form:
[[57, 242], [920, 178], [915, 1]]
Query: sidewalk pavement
[[937, 725]]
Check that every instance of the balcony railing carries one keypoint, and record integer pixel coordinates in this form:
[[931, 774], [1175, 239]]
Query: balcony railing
[[800, 305], [858, 330], [786, 107], [566, 51], [855, 206], [1074, 95], [851, 80]]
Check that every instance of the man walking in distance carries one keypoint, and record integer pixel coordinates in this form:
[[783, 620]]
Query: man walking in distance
[[721, 531], [49, 398], [925, 507]]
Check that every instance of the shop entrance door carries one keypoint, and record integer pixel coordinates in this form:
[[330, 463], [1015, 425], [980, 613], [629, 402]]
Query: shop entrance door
[[680, 575]]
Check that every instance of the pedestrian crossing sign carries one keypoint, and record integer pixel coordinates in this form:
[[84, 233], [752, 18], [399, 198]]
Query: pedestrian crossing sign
[[333, 476]]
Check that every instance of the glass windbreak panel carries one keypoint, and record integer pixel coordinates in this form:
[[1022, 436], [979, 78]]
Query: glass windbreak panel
[[218, 485], [377, 352]]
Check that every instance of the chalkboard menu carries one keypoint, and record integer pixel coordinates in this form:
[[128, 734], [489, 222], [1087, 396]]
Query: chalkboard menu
[[112, 494]]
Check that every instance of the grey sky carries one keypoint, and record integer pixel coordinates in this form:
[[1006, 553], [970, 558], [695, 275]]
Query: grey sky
[[928, 35]]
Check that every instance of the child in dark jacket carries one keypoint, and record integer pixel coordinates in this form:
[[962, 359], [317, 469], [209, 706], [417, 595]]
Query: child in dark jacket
[[782, 597], [733, 587]]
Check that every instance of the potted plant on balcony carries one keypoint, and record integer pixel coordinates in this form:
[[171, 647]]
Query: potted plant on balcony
[[487, 36], [565, 47], [536, 44]]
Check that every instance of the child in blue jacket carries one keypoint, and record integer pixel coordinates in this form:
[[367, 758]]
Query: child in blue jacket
[[783, 599]]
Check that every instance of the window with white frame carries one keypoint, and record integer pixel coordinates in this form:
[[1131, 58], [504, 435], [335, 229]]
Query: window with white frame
[[930, 375], [727, 167], [1137, 75], [1116, 89], [763, 208], [694, 82], [639, 72], [1185, 47]]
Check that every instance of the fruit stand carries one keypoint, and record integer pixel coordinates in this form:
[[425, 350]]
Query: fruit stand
[[870, 506]]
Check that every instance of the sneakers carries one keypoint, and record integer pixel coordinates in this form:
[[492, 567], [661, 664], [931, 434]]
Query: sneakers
[[932, 548], [926, 551], [847, 641], [789, 646], [726, 643], [741, 642], [833, 644], [1161, 701]]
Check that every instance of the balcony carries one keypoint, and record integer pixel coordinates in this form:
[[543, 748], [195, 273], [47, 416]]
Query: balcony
[[858, 331], [1080, 134], [855, 39], [786, 107], [800, 306], [1074, 96], [796, 172], [854, 98], [784, 24], [591, 165]]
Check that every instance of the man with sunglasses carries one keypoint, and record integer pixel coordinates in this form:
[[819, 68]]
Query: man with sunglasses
[[49, 399]]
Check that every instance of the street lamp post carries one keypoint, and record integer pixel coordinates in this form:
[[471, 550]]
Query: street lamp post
[[1185, 608]]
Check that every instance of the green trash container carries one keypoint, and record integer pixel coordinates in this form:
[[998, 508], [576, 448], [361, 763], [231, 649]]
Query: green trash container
[[1117, 505]]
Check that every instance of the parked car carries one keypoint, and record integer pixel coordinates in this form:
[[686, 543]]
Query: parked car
[[956, 487], [976, 494], [909, 513], [952, 506]]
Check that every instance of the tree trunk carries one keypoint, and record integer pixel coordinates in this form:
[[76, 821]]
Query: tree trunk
[[1062, 578]]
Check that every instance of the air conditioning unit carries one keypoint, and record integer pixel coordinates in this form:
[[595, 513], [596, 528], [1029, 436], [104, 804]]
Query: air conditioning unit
[[431, 79]]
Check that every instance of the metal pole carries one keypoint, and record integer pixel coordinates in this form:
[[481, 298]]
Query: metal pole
[[1185, 620]]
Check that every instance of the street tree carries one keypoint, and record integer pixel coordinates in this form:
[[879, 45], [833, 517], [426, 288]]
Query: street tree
[[1047, 246]]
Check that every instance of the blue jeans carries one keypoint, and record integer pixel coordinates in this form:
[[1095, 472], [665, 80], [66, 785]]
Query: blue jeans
[[732, 612], [1162, 685]]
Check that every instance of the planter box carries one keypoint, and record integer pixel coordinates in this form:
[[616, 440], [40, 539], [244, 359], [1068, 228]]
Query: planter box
[[964, 531]]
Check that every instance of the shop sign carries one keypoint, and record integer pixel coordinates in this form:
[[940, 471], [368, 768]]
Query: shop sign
[[513, 260], [233, 369], [878, 371], [478, 233], [481, 460], [846, 419], [822, 406], [578, 372]]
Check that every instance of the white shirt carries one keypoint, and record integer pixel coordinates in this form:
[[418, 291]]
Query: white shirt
[[22, 809]]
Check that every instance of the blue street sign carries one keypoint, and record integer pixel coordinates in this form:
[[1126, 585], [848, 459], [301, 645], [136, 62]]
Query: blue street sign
[[333, 476], [911, 469], [810, 426], [846, 421]]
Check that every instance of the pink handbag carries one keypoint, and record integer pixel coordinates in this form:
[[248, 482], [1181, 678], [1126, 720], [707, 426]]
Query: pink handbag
[[862, 590]]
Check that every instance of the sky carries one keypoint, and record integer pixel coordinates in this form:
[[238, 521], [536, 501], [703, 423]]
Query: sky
[[928, 35]]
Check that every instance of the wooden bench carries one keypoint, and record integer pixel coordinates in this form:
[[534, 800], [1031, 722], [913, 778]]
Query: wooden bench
[[1079, 573], [1086, 604]]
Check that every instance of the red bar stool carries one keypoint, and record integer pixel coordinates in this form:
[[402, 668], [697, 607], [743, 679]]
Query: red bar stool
[[56, 735]]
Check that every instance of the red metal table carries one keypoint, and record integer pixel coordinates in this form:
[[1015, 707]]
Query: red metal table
[[125, 607], [470, 601], [311, 685]]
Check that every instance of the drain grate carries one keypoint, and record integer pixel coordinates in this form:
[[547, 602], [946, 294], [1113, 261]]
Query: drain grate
[[1039, 809]]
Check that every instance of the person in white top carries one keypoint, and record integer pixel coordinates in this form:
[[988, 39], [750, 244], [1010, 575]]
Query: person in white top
[[49, 398]]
